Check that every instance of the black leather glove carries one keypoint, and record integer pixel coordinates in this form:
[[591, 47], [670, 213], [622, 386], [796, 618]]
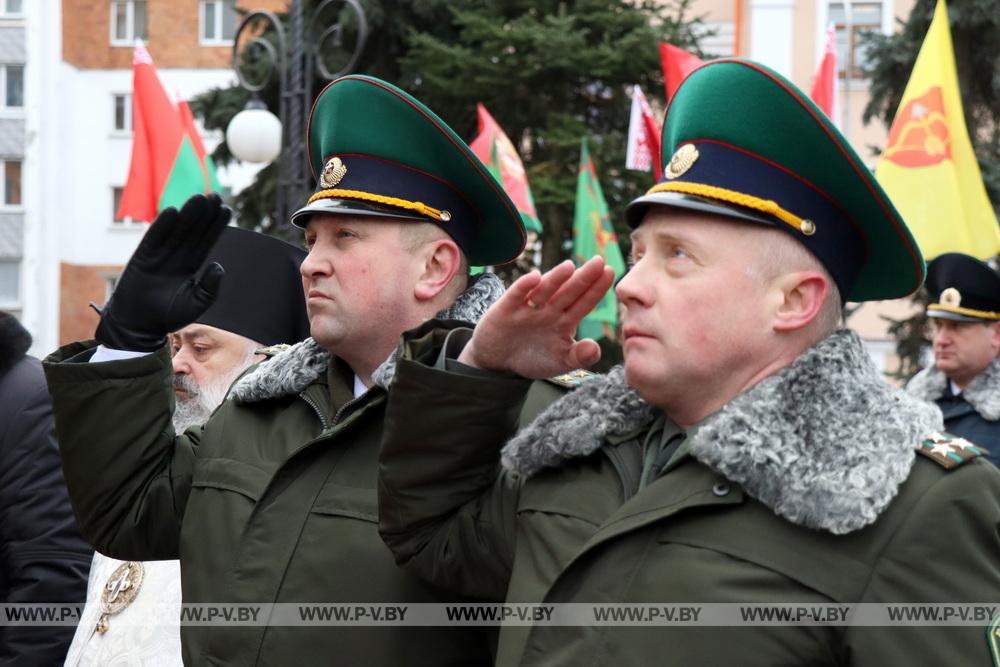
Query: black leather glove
[[158, 291]]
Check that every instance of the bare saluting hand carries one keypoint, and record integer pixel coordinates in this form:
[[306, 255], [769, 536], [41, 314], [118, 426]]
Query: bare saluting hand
[[531, 330]]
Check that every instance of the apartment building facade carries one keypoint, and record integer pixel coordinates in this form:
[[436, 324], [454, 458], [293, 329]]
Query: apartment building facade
[[77, 124], [12, 145]]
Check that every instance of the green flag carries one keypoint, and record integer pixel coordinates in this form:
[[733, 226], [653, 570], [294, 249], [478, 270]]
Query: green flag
[[594, 235]]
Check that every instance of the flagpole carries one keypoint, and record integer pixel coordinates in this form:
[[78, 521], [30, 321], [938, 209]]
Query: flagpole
[[296, 185], [845, 126]]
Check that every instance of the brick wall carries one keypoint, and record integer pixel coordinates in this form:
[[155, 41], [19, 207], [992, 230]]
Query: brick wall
[[78, 287], [173, 35]]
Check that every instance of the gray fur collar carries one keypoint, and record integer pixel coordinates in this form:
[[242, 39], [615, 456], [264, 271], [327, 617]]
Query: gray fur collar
[[825, 442], [291, 371], [983, 393]]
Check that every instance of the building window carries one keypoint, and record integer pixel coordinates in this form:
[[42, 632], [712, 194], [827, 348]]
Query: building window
[[11, 190], [218, 21], [116, 202], [128, 21], [11, 7], [110, 283], [864, 17], [10, 284], [123, 112], [12, 85]]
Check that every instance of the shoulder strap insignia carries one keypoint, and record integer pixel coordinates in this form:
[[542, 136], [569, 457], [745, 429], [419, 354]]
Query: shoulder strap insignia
[[993, 639], [949, 451], [272, 350], [573, 379]]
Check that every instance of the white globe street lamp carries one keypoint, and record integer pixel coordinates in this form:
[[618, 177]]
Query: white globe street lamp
[[254, 134]]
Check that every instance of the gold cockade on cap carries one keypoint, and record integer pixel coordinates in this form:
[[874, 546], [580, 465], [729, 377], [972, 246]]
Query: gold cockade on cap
[[683, 158], [951, 297], [333, 172]]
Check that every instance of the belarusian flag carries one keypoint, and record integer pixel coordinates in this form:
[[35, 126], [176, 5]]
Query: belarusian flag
[[676, 64], [497, 152], [642, 150], [204, 159], [594, 235], [165, 169], [824, 88], [929, 167]]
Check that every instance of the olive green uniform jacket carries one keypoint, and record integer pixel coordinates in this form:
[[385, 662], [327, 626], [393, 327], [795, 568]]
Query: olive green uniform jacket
[[808, 488], [272, 501]]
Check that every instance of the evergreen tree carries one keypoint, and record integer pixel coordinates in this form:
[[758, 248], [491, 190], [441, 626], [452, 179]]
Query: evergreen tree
[[549, 71]]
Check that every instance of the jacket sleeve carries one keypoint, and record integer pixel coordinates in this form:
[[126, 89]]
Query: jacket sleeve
[[947, 552], [42, 555], [446, 509], [128, 475]]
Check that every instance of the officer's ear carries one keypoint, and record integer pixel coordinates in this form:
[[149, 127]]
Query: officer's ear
[[442, 259], [995, 338], [800, 296]]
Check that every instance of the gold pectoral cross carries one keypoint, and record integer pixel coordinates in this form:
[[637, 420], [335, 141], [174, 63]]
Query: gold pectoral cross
[[121, 589]]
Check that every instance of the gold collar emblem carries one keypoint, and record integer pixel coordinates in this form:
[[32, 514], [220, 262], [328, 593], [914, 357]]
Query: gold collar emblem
[[951, 297], [683, 158], [122, 587], [333, 172]]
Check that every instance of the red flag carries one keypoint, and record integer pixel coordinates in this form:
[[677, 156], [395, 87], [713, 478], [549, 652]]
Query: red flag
[[677, 64], [824, 88], [643, 148], [496, 151], [164, 169], [207, 165]]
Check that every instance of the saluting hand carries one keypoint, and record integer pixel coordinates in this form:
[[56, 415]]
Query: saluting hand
[[159, 291], [531, 330]]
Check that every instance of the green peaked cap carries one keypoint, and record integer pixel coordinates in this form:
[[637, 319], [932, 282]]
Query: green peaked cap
[[742, 141], [376, 150]]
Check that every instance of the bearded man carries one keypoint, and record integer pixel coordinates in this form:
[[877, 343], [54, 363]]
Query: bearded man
[[273, 500], [258, 311]]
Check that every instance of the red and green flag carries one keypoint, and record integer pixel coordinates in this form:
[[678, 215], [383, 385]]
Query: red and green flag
[[205, 160], [593, 235], [496, 151], [165, 168]]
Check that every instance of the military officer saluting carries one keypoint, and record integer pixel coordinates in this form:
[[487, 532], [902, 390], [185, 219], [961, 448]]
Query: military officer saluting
[[965, 322], [749, 452], [273, 500]]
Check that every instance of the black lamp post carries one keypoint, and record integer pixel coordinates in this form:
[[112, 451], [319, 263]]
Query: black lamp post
[[254, 135]]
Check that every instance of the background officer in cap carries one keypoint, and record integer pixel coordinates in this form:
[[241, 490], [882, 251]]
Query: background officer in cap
[[258, 306], [965, 320], [273, 500], [749, 452]]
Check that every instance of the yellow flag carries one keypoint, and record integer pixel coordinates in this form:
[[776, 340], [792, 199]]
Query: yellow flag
[[929, 168]]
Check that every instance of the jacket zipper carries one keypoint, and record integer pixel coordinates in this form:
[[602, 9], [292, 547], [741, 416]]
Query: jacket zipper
[[336, 417], [319, 413], [345, 406]]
